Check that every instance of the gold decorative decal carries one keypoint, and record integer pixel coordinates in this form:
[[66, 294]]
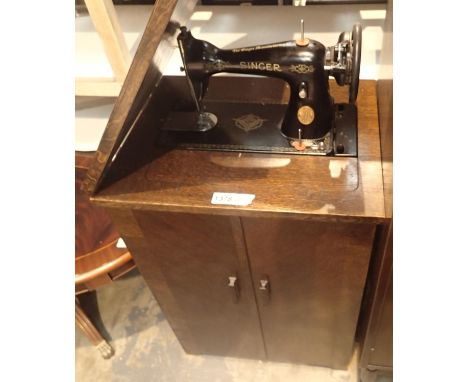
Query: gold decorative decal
[[267, 66], [258, 47], [249, 122], [305, 115], [216, 65], [301, 69]]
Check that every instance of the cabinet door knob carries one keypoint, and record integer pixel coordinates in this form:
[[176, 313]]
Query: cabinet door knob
[[265, 289], [234, 285]]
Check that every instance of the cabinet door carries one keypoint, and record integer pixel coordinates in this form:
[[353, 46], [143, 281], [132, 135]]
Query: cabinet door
[[309, 279], [205, 273]]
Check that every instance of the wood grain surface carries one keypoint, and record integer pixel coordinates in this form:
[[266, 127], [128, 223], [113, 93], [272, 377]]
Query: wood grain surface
[[96, 254], [93, 227], [317, 273], [141, 78], [193, 257], [299, 231], [291, 185], [385, 104], [377, 342]]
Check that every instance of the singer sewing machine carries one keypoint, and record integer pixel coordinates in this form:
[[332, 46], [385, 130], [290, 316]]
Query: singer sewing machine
[[311, 123]]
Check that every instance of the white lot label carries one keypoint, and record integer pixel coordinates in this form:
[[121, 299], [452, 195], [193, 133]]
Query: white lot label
[[232, 199], [120, 243]]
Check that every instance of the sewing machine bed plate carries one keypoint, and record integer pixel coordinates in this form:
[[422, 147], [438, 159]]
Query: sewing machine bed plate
[[251, 127]]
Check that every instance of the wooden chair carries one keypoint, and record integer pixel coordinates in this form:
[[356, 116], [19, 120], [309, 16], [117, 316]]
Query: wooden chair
[[98, 261]]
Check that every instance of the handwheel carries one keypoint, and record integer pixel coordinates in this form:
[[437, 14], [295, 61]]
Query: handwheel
[[356, 42]]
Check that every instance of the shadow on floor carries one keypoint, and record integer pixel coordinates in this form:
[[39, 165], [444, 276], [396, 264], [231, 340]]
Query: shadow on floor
[[147, 350], [129, 289]]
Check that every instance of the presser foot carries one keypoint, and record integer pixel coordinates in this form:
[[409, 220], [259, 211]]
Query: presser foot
[[206, 121], [190, 121], [321, 146]]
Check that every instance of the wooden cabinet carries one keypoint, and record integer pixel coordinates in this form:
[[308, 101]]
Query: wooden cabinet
[[277, 289], [282, 277]]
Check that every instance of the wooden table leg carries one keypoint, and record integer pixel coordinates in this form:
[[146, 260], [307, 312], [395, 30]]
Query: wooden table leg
[[368, 375], [91, 332]]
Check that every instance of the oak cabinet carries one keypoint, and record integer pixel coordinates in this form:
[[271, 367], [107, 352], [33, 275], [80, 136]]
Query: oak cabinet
[[277, 289], [279, 279]]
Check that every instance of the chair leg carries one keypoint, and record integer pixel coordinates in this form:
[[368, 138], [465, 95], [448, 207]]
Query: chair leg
[[91, 332], [368, 375]]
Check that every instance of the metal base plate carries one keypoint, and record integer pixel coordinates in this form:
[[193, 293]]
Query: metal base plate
[[251, 127]]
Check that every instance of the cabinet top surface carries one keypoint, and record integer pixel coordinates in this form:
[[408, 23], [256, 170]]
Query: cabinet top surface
[[303, 186]]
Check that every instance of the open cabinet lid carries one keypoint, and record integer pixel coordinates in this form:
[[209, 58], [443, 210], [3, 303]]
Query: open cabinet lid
[[152, 55]]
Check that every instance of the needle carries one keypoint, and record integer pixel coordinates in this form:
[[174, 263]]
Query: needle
[[302, 29], [298, 145]]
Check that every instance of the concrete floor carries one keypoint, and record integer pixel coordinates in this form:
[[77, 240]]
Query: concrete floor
[[146, 348]]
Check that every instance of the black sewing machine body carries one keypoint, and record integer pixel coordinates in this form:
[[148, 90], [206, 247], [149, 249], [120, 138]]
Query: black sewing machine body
[[310, 123], [301, 67]]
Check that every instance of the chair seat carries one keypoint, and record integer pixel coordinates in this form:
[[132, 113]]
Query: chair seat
[[102, 261], [98, 261], [96, 254]]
